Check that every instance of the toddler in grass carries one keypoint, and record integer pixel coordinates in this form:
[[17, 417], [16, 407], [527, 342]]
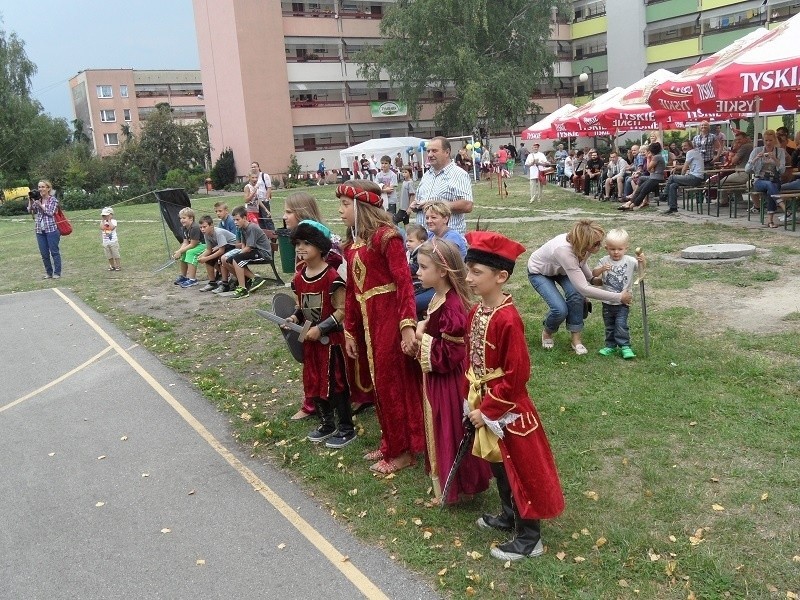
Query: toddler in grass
[[108, 227], [615, 272]]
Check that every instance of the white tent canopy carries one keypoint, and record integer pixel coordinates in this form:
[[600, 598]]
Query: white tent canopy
[[379, 147]]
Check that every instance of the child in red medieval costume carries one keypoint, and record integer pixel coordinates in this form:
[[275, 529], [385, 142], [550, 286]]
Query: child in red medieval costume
[[508, 433], [320, 300], [443, 357], [380, 322]]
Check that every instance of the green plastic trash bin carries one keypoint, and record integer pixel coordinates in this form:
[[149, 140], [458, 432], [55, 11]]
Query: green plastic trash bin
[[286, 249]]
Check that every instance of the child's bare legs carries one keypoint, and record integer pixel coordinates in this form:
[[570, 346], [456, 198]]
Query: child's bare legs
[[116, 264], [211, 272], [111, 263], [184, 266]]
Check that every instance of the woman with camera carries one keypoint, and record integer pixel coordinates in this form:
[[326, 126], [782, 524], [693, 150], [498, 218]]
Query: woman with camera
[[42, 205], [768, 163]]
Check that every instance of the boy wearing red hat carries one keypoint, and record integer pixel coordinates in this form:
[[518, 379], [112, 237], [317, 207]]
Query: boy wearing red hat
[[508, 433]]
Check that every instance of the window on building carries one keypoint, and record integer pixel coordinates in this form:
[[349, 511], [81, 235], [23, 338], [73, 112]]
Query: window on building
[[108, 116], [123, 91], [105, 91], [383, 95], [126, 113], [111, 139]]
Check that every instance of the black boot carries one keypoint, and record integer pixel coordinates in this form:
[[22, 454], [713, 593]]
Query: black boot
[[505, 520], [327, 426], [527, 541], [345, 432]]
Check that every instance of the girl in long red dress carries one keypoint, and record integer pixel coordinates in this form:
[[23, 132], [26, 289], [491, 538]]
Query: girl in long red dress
[[380, 322], [443, 357]]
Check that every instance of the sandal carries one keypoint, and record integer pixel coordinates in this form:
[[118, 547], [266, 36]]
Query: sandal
[[374, 455], [772, 225], [580, 349], [547, 343], [387, 467], [111, 268]]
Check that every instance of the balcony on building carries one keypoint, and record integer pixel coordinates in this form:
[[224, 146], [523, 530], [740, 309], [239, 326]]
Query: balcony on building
[[336, 9]]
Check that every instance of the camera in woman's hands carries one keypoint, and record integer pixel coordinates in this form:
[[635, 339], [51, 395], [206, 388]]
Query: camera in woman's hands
[[34, 195]]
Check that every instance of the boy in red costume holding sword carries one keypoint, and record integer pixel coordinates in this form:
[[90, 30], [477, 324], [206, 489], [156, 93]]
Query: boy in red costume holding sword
[[508, 433]]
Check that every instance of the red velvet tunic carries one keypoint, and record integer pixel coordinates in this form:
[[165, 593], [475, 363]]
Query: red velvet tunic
[[497, 341], [314, 298], [379, 299], [443, 357]]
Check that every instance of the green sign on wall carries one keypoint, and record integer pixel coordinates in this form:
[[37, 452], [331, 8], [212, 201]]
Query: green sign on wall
[[388, 108]]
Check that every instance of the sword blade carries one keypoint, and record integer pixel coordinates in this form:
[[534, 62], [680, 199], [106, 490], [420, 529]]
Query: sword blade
[[645, 325], [279, 320], [464, 447]]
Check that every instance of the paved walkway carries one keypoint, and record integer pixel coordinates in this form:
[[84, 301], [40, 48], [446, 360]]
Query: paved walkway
[[115, 482]]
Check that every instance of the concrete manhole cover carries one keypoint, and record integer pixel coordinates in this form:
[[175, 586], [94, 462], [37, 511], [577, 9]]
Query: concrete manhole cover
[[718, 251]]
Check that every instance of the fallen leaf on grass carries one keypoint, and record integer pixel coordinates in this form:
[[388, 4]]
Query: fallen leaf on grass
[[791, 595], [796, 558], [417, 521], [591, 495], [622, 583], [601, 541], [442, 572], [652, 555], [579, 559], [470, 591], [427, 534], [691, 596], [718, 507], [672, 538], [561, 555], [475, 555], [362, 514], [585, 531], [353, 492], [575, 536], [457, 543], [764, 496], [670, 568], [772, 589]]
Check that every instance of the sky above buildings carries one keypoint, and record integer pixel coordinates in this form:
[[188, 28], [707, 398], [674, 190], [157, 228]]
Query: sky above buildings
[[64, 37]]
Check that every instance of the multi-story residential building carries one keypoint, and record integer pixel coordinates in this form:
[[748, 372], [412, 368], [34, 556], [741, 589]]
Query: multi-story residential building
[[112, 103], [281, 78], [619, 42]]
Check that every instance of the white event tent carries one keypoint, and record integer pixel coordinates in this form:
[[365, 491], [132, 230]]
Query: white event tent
[[379, 147]]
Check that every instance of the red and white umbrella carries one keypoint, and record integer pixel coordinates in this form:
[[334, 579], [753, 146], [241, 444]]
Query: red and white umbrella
[[628, 110], [583, 120], [763, 64], [543, 130]]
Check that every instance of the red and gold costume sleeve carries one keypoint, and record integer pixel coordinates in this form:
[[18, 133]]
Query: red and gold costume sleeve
[[395, 253], [446, 350]]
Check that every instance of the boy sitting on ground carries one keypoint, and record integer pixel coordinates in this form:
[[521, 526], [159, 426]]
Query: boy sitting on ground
[[190, 249], [255, 249], [218, 242]]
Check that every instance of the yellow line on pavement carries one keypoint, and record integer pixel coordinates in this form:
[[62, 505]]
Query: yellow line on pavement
[[57, 380], [336, 558]]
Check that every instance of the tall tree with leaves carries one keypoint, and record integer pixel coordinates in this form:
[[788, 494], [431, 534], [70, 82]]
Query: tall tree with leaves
[[25, 131], [488, 56]]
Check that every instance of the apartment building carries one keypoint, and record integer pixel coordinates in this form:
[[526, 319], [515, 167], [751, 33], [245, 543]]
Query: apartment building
[[113, 103], [280, 78], [617, 43]]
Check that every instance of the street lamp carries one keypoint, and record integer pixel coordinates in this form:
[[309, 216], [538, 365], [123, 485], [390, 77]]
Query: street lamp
[[587, 74]]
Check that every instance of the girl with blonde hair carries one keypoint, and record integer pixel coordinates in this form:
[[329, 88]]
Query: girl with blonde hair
[[380, 323], [443, 357]]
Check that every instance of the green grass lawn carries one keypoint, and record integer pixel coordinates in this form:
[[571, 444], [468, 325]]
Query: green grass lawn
[[681, 471]]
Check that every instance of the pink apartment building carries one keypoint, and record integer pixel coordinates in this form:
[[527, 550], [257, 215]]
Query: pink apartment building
[[111, 102], [280, 78]]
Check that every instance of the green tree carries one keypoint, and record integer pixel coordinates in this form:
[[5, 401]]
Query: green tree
[[26, 133], [224, 171], [486, 56]]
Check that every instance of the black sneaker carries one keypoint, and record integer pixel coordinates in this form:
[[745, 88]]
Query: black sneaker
[[340, 441], [320, 434], [495, 522], [670, 211]]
